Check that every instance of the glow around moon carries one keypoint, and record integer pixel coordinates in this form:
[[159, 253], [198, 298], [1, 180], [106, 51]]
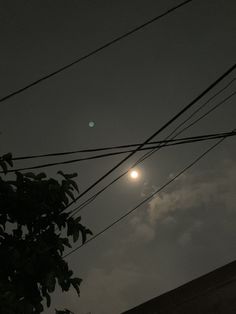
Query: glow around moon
[[134, 174]]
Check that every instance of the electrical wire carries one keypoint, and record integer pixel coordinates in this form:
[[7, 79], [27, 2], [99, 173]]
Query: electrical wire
[[145, 156], [167, 143], [97, 50], [167, 124], [146, 199], [91, 150]]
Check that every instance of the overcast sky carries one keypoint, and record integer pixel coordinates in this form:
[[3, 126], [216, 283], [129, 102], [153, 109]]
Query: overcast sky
[[129, 90]]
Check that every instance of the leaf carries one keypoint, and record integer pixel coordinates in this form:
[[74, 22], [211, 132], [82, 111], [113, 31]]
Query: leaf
[[3, 220], [38, 307], [70, 226], [88, 231], [76, 234], [2, 233], [78, 219], [66, 242], [4, 166], [74, 184], [61, 220], [17, 233], [67, 176], [51, 282], [71, 175], [76, 283], [61, 173], [60, 247], [61, 243], [41, 176], [68, 192], [63, 196], [8, 158], [46, 294], [48, 298], [30, 175], [84, 232], [84, 236]]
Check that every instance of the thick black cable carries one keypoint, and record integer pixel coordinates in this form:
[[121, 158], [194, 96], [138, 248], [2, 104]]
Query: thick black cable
[[86, 56], [167, 143], [168, 123], [146, 199], [91, 150], [145, 156]]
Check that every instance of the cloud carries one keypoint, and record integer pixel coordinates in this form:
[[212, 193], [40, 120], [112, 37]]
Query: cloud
[[194, 191], [186, 237], [142, 230], [182, 233], [186, 203]]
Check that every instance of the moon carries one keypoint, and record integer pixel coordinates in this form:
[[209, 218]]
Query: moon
[[134, 174]]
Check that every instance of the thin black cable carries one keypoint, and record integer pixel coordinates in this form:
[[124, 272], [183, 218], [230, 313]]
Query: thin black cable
[[168, 123], [146, 199], [167, 143], [145, 156], [86, 56], [91, 150]]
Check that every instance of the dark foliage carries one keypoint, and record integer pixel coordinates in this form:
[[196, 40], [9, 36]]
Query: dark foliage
[[34, 232]]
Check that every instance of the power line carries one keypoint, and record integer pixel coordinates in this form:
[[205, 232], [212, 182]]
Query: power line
[[91, 150], [147, 155], [86, 56], [168, 123], [172, 142], [146, 199]]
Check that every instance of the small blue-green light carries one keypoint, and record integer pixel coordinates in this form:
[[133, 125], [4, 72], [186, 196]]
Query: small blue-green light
[[91, 124]]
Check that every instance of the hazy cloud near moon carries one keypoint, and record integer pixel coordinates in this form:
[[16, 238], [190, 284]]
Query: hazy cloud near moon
[[193, 191], [195, 217]]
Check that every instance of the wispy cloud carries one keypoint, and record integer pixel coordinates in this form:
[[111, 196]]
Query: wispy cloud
[[163, 243], [195, 192]]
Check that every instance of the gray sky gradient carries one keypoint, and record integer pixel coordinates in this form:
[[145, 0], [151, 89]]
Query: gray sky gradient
[[129, 91]]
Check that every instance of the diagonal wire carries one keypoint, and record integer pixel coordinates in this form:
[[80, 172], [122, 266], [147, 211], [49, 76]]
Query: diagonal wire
[[167, 124], [167, 143], [118, 146], [86, 56], [146, 199], [145, 156]]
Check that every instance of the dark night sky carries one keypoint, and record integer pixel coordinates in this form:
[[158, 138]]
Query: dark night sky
[[129, 90]]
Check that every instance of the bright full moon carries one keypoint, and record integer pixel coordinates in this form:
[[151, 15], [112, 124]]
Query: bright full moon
[[134, 174]]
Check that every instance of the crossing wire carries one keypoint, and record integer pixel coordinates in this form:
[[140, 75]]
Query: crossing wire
[[167, 124], [91, 150], [164, 143], [115, 222], [148, 155]]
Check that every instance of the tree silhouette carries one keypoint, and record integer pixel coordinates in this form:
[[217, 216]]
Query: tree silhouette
[[35, 230]]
